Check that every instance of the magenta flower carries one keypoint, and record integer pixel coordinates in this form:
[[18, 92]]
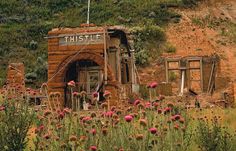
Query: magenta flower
[[67, 110], [176, 126], [153, 85], [46, 136], [95, 94], [61, 115], [177, 117], [106, 93], [75, 93], [128, 118], [159, 111], [86, 119], [109, 114], [71, 83], [167, 110], [153, 130], [2, 108], [93, 148], [148, 105], [136, 102], [93, 131], [41, 127]]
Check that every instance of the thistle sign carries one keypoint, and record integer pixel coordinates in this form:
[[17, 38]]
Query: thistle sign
[[81, 39]]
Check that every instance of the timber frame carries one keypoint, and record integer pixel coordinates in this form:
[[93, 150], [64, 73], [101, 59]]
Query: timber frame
[[193, 72]]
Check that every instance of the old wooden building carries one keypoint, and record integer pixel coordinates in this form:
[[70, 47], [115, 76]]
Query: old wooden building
[[96, 58]]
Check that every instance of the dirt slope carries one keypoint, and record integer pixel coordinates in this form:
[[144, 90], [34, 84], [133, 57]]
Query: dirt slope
[[203, 38], [200, 33]]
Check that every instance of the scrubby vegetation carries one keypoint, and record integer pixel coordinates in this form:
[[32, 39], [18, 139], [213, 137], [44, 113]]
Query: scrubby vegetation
[[15, 121], [24, 24], [142, 125]]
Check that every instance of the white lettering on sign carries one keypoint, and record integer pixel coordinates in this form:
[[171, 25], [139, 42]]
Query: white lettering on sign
[[81, 39]]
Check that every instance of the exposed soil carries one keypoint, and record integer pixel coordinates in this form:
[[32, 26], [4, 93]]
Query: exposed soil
[[192, 39]]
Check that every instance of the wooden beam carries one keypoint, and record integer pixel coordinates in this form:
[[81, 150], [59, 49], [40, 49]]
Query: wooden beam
[[105, 55]]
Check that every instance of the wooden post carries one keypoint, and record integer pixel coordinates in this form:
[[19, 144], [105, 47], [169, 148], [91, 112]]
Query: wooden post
[[118, 62], [201, 70], [167, 70], [105, 56]]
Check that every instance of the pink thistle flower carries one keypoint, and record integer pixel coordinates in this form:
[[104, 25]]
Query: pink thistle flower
[[93, 131], [153, 85], [67, 110], [128, 118], [61, 115], [71, 83], [2, 108], [148, 105], [159, 111], [95, 94], [41, 127], [177, 117], [93, 148], [106, 93], [167, 110], [136, 102], [75, 94], [46, 136], [109, 114], [155, 104], [176, 126], [153, 130], [86, 119]]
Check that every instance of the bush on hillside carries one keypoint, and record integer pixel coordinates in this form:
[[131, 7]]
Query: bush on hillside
[[15, 121]]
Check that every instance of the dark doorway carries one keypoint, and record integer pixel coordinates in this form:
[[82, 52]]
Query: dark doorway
[[87, 76]]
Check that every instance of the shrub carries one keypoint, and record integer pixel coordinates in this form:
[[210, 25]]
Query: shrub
[[190, 3], [145, 39], [142, 58], [212, 136], [15, 121], [170, 48]]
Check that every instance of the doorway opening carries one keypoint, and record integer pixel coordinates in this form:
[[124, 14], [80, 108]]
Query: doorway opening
[[87, 75]]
